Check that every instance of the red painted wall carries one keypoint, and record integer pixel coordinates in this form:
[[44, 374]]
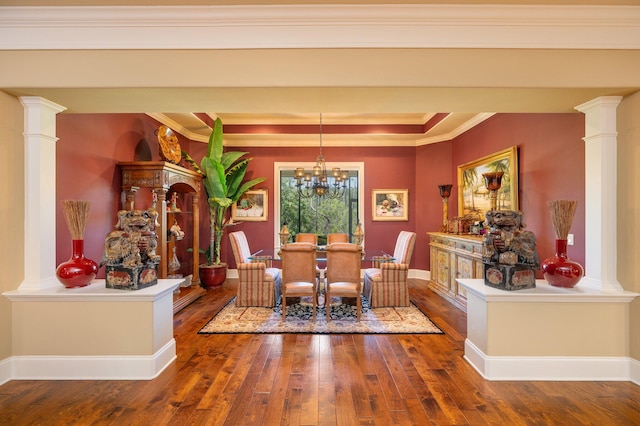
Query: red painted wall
[[87, 153], [551, 166]]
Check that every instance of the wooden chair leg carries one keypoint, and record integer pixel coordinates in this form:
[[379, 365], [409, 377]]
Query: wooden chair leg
[[327, 304], [284, 307], [359, 307]]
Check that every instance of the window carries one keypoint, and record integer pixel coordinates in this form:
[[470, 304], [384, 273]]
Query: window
[[319, 215]]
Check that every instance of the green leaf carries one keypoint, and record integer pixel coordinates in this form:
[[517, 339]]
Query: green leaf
[[216, 139]]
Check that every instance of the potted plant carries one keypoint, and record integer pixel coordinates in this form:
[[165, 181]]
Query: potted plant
[[223, 175]]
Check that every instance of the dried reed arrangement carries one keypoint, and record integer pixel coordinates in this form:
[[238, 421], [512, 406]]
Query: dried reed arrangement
[[76, 214], [562, 212]]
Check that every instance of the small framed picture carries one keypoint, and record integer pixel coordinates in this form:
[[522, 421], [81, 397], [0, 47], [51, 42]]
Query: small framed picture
[[253, 206], [390, 204]]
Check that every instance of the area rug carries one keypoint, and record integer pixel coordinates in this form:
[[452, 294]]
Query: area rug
[[253, 320]]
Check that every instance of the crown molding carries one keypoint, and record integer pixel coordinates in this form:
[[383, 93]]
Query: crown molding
[[320, 26]]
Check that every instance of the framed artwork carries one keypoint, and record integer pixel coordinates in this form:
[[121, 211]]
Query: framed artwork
[[390, 204], [253, 206], [473, 195]]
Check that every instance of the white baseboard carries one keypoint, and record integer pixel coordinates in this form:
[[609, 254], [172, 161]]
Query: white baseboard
[[5, 371], [548, 368], [420, 274], [92, 367], [635, 371]]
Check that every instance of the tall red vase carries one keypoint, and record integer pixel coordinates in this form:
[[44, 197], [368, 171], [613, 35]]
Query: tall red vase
[[77, 271], [559, 270]]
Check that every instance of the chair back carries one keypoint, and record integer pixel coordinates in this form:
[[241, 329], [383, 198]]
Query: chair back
[[240, 247], [307, 238], [404, 247], [298, 262], [337, 238], [343, 263]]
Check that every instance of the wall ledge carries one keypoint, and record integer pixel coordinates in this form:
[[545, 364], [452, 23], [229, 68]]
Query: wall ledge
[[94, 292], [544, 293]]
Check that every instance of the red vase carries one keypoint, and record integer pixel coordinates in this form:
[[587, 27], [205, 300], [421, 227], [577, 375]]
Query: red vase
[[559, 270], [77, 271]]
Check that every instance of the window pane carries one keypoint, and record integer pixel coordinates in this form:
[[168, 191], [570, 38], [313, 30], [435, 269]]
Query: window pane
[[318, 215]]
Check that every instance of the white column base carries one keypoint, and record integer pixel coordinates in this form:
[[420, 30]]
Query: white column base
[[554, 368], [144, 367]]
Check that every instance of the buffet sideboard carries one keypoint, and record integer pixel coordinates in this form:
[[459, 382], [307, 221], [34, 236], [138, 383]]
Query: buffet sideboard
[[454, 256]]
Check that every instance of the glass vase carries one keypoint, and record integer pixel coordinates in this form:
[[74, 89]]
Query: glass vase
[[77, 271], [559, 270]]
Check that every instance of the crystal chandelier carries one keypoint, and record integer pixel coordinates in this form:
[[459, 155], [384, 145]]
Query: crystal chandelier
[[316, 183]]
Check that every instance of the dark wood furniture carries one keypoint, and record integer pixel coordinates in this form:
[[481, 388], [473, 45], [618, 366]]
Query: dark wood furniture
[[162, 178]]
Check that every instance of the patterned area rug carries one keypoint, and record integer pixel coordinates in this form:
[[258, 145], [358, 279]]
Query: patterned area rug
[[400, 320]]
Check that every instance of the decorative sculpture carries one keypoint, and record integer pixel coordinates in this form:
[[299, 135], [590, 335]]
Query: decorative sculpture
[[130, 258], [509, 252]]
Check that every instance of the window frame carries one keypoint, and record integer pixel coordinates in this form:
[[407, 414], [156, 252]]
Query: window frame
[[280, 166]]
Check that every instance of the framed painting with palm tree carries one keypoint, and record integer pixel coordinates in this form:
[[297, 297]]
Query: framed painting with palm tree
[[473, 196]]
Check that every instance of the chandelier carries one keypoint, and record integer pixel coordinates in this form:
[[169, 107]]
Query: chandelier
[[317, 183]]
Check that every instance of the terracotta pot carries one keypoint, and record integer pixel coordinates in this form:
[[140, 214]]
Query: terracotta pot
[[212, 276], [559, 270], [77, 271]]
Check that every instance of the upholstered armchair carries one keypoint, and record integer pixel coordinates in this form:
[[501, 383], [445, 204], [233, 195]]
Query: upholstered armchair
[[298, 273], [386, 285], [259, 284], [343, 274]]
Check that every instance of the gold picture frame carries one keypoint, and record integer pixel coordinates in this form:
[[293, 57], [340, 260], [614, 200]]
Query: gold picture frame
[[253, 206], [390, 204], [473, 196]]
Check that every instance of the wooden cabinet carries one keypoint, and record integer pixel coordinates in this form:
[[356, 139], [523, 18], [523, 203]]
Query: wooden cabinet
[[166, 178], [454, 256]]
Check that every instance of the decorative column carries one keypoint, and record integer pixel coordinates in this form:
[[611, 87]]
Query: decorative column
[[40, 193], [601, 193]]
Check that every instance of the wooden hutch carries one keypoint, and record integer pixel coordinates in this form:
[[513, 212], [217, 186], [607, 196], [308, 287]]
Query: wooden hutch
[[162, 178]]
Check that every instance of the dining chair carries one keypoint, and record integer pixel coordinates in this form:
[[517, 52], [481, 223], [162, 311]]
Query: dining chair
[[343, 275], [337, 238], [259, 284], [386, 284], [307, 238], [298, 273]]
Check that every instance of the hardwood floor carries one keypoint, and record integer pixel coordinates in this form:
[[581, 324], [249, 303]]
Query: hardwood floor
[[319, 380]]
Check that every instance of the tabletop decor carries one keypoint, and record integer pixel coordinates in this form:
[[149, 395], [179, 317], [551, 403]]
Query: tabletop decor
[[509, 251], [130, 258], [559, 270], [390, 204], [78, 271], [473, 190]]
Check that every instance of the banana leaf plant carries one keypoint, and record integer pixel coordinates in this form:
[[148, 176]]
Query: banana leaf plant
[[223, 174]]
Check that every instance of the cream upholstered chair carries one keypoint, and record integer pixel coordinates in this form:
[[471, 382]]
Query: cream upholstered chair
[[337, 238], [343, 274], [298, 273], [259, 283], [386, 285], [307, 238]]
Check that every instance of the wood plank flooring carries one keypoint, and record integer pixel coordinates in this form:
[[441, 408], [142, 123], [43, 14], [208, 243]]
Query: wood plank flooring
[[319, 380]]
